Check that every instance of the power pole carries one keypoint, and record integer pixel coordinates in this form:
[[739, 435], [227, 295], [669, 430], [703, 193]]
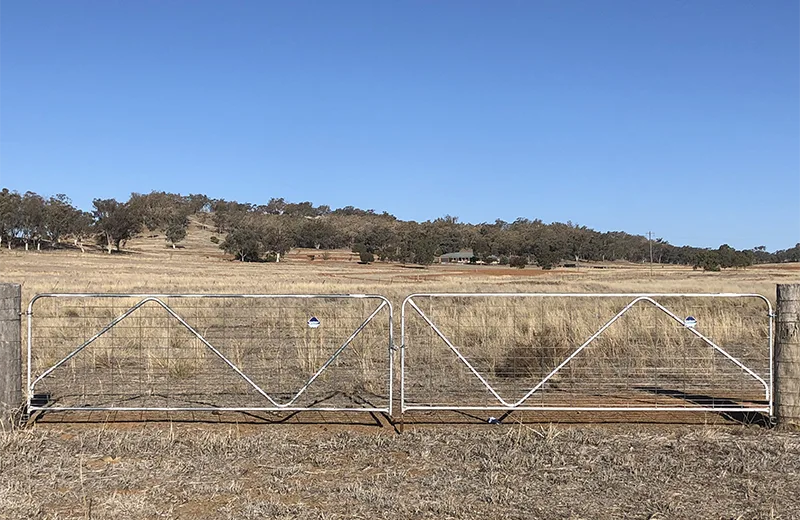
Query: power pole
[[650, 240]]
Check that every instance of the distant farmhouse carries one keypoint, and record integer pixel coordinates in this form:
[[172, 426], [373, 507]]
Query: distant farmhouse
[[462, 257]]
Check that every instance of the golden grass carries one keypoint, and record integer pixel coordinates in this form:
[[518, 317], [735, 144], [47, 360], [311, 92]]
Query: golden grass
[[148, 470], [149, 266], [524, 348], [517, 342], [515, 471], [151, 355]]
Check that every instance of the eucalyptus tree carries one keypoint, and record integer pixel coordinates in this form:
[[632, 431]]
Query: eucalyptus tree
[[10, 208], [32, 215], [175, 227], [59, 214], [115, 222]]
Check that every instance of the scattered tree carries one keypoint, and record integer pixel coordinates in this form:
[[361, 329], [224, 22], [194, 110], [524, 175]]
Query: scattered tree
[[175, 230], [366, 257], [115, 222], [81, 227], [59, 217], [257, 235], [32, 214], [244, 243], [29, 219], [518, 261], [10, 211]]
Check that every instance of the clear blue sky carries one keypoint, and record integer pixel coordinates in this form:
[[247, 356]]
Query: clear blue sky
[[677, 117]]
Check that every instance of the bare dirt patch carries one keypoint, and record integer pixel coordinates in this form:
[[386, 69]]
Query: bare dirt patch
[[780, 267]]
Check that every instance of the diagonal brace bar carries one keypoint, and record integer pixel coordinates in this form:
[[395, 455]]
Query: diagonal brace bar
[[335, 355], [460, 356], [174, 315], [619, 315]]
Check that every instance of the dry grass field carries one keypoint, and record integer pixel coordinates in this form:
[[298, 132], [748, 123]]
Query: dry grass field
[[207, 471], [148, 265], [358, 466]]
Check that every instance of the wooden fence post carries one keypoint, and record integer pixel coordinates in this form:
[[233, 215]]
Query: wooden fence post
[[787, 355], [10, 354]]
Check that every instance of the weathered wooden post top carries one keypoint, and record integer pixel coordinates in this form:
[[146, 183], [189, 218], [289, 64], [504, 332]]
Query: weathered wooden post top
[[10, 354]]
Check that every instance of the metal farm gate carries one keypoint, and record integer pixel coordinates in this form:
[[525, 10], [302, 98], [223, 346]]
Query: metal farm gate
[[587, 352], [220, 352], [511, 351]]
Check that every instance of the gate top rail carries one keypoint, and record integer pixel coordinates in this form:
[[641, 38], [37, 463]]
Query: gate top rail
[[770, 311], [597, 295]]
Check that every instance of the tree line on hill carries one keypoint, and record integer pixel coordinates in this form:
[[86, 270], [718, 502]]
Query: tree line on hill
[[264, 232]]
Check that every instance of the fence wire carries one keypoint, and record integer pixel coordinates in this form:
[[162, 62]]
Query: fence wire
[[210, 352], [619, 352]]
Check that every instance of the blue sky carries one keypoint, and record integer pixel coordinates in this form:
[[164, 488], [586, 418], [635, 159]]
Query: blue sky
[[681, 118]]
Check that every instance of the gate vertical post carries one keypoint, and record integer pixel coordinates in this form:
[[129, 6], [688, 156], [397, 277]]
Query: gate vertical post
[[10, 353], [787, 355]]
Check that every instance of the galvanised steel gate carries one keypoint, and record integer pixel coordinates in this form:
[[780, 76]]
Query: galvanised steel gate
[[209, 352], [593, 352], [587, 352]]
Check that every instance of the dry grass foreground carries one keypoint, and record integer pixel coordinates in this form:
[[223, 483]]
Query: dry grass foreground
[[514, 471], [148, 470]]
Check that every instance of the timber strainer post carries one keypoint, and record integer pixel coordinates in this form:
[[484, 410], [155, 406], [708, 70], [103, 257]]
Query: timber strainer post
[[787, 355], [10, 354]]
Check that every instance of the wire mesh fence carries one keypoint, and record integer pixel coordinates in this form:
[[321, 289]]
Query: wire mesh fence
[[209, 352], [614, 352]]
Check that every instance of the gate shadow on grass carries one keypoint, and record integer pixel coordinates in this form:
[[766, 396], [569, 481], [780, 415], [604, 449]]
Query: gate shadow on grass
[[743, 417], [318, 417]]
